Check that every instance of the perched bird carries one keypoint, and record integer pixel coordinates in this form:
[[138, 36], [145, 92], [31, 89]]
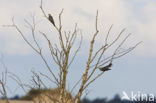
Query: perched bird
[[106, 68], [51, 19]]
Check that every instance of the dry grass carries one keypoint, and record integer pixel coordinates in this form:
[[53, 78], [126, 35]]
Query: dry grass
[[52, 96], [42, 96], [16, 101]]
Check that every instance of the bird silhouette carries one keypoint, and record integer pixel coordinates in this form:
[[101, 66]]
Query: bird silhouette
[[51, 19], [106, 68]]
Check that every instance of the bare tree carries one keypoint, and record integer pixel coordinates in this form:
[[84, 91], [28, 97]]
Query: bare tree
[[62, 56]]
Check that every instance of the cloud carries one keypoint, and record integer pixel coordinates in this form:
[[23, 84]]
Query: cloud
[[144, 26], [139, 16]]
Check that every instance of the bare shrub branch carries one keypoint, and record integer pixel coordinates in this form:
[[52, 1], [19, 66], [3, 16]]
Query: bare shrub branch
[[63, 55]]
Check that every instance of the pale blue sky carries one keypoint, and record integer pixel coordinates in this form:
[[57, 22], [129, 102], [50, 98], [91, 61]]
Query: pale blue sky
[[133, 72]]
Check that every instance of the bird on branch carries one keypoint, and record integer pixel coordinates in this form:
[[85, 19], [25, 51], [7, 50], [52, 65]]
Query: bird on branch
[[51, 19], [106, 68]]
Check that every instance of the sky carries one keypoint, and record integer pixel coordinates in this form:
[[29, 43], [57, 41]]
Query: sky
[[133, 72]]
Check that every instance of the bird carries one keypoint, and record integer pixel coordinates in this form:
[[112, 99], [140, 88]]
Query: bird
[[51, 19], [106, 68]]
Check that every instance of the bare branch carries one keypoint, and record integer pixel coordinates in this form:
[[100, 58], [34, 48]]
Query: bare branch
[[61, 55], [88, 62], [76, 84], [116, 38], [75, 53], [93, 80], [118, 55], [18, 81], [38, 51], [46, 76], [3, 92], [108, 34]]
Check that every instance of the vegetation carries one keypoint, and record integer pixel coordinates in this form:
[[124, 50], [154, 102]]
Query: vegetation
[[33, 93], [63, 54]]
